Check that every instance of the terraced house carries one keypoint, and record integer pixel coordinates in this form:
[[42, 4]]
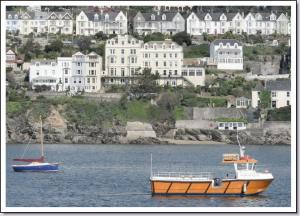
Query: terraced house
[[163, 22], [39, 22], [251, 23], [89, 23]]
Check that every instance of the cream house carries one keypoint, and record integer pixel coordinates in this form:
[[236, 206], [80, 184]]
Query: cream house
[[163, 22], [227, 53], [280, 91], [89, 23], [125, 56], [13, 21]]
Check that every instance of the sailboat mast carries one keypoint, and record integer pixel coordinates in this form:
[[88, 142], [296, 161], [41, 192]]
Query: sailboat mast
[[41, 132]]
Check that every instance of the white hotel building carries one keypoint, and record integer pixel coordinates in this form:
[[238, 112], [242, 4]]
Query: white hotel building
[[89, 23], [251, 23], [125, 56], [77, 73]]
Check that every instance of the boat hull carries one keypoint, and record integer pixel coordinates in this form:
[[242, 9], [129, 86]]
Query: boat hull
[[227, 187], [45, 167]]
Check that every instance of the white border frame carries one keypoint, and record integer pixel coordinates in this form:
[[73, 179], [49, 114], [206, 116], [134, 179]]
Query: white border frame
[[4, 208]]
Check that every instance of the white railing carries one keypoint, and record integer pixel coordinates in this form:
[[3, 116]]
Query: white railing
[[198, 175]]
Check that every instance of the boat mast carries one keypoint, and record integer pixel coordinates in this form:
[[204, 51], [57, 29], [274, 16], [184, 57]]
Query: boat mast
[[242, 148], [41, 132]]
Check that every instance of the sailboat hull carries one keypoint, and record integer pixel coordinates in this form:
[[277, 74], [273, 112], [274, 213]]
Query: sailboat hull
[[37, 167]]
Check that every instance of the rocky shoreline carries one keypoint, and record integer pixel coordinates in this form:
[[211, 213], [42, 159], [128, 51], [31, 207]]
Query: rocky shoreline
[[23, 130]]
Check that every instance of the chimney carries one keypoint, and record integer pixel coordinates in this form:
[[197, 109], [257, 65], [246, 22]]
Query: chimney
[[101, 11], [243, 14]]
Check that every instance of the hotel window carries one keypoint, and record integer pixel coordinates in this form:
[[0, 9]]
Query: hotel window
[[111, 60], [111, 71], [132, 60], [122, 72], [66, 80], [88, 80], [165, 64], [287, 94], [122, 50], [184, 73], [122, 60], [170, 55], [66, 71], [287, 102], [165, 55], [156, 55], [273, 93], [132, 71], [93, 79], [165, 72], [199, 73], [175, 72], [192, 73], [156, 63], [78, 71]]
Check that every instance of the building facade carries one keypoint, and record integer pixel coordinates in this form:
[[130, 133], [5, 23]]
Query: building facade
[[39, 22], [165, 23], [77, 73], [280, 91], [89, 23], [45, 72], [251, 23], [227, 53], [126, 56]]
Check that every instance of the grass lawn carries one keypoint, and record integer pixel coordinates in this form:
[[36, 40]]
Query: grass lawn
[[197, 51]]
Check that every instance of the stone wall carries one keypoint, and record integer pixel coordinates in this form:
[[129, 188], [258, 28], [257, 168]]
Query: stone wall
[[137, 130], [217, 112]]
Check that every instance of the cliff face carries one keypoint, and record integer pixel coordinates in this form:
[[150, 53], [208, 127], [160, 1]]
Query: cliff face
[[22, 129]]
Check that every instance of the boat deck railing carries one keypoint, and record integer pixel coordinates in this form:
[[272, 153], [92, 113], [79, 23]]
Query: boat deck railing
[[198, 175]]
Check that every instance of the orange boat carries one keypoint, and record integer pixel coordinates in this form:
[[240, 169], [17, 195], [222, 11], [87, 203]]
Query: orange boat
[[247, 180]]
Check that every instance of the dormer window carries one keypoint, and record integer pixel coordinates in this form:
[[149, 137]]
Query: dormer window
[[164, 46], [139, 18], [223, 17], [96, 17], [154, 46], [9, 16], [228, 45], [172, 46], [82, 17], [221, 45], [146, 46], [163, 17], [132, 42], [235, 45], [106, 17], [16, 16], [152, 17]]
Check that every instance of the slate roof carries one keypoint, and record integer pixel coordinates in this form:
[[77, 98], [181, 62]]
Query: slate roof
[[225, 41], [12, 13], [169, 16], [112, 15], [43, 61], [275, 85]]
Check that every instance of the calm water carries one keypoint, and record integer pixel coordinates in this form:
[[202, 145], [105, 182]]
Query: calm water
[[118, 175]]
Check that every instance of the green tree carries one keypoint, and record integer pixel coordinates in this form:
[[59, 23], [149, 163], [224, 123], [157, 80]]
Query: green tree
[[265, 99], [182, 37], [84, 44], [144, 83], [156, 36], [101, 36], [55, 46]]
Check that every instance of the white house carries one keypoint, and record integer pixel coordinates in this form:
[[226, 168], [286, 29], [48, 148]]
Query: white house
[[227, 53], [45, 72], [163, 22], [252, 23], [193, 72], [122, 59], [13, 21], [86, 72], [280, 93], [89, 23], [77, 73], [60, 22], [11, 59]]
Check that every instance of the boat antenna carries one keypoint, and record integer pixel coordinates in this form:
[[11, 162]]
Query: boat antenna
[[42, 144], [242, 148]]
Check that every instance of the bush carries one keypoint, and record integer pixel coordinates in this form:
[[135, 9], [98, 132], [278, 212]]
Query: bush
[[197, 51], [182, 37], [41, 88], [280, 114], [156, 36]]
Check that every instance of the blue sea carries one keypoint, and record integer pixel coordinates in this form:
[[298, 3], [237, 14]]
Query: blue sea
[[118, 175]]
